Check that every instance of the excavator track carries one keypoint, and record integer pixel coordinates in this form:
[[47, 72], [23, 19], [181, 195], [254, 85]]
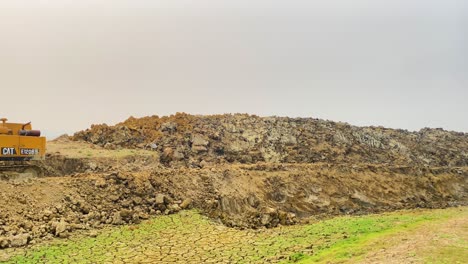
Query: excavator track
[[20, 170]]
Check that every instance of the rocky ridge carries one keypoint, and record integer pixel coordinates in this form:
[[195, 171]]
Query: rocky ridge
[[194, 141]]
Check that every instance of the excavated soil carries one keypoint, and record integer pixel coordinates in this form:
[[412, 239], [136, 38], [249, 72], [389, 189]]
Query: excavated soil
[[242, 171], [243, 196]]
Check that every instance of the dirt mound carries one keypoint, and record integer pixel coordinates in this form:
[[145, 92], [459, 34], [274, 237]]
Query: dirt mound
[[194, 141], [244, 171]]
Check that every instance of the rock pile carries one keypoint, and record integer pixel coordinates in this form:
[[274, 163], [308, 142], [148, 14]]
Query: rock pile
[[196, 141], [246, 196], [90, 202]]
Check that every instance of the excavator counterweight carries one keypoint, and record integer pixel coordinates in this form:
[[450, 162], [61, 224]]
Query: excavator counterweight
[[21, 151], [18, 142]]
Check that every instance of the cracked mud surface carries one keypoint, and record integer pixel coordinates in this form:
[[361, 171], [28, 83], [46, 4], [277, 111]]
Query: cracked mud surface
[[188, 237]]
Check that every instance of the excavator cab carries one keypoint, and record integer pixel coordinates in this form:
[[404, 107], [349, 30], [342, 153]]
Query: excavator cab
[[19, 142]]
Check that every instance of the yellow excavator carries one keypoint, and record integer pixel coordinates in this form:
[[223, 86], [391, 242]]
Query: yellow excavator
[[20, 146]]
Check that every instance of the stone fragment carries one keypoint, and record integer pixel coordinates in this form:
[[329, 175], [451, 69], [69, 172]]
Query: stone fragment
[[19, 240], [203, 163], [60, 227], [199, 143], [100, 183], [199, 140], [160, 199], [117, 219], [186, 203], [126, 214], [265, 219], [4, 242]]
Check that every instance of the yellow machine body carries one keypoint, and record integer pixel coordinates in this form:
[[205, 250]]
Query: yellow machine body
[[20, 142]]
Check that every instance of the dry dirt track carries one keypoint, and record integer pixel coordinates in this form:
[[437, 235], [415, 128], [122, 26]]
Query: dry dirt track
[[428, 243]]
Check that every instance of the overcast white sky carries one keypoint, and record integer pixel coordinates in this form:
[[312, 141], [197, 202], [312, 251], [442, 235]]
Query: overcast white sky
[[398, 63]]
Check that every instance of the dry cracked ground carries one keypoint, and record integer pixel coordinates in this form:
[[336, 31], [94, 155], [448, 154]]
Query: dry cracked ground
[[409, 236]]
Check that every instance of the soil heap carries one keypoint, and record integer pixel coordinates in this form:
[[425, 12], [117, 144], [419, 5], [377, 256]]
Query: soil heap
[[194, 141]]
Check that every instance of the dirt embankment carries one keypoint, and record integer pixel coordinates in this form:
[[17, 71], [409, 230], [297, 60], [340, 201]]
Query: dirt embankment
[[241, 170], [247, 196]]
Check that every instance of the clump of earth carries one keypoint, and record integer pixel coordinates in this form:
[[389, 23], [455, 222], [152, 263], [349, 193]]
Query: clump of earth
[[240, 170]]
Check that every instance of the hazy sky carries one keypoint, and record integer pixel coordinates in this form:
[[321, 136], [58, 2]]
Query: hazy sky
[[398, 63]]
